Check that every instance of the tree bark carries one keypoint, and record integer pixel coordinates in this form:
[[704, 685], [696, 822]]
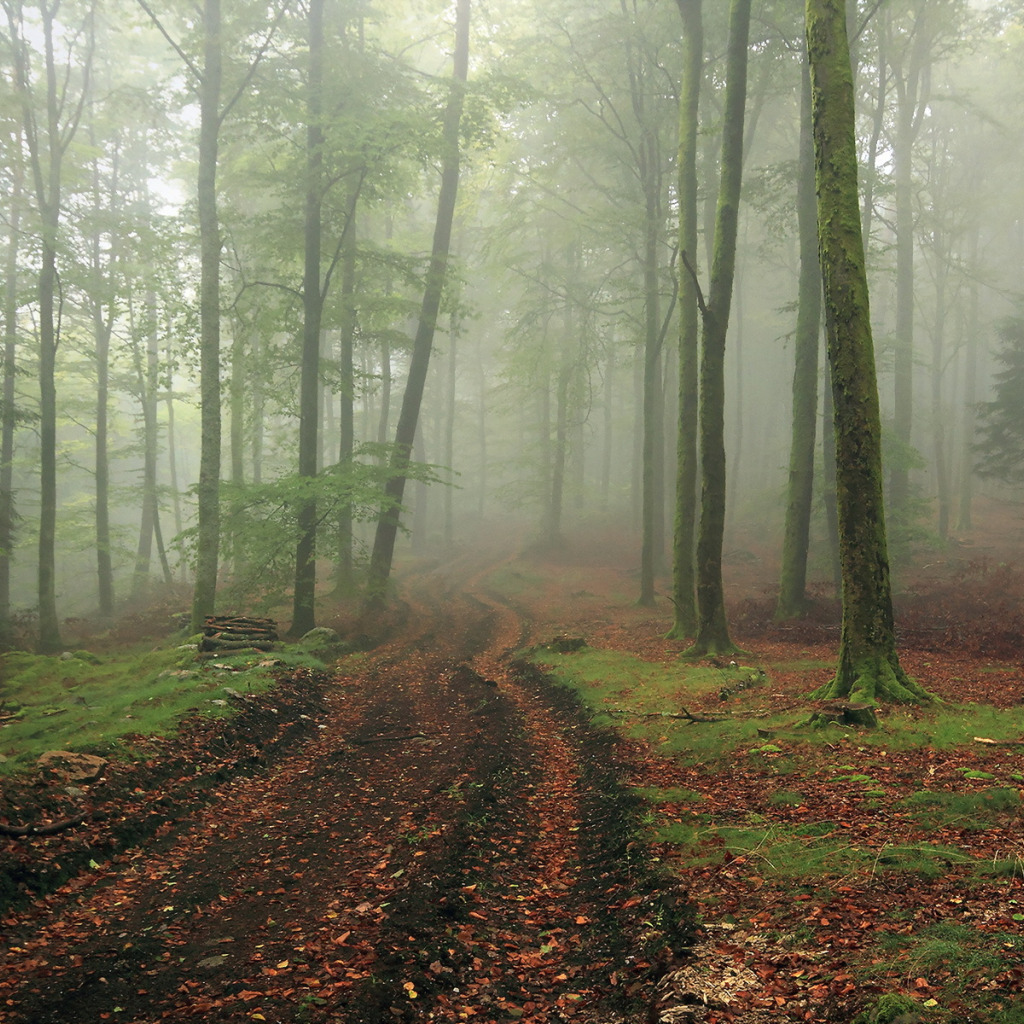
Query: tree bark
[[869, 668], [8, 418], [208, 490], [684, 578], [793, 583], [304, 596], [387, 523], [712, 628]]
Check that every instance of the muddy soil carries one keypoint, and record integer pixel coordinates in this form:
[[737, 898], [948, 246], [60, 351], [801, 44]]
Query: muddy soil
[[441, 838]]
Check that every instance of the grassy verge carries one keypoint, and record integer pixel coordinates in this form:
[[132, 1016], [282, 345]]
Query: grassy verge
[[88, 703], [888, 833]]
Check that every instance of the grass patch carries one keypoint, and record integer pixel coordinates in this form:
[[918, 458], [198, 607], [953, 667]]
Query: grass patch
[[980, 810], [956, 959], [671, 794], [88, 703], [632, 694]]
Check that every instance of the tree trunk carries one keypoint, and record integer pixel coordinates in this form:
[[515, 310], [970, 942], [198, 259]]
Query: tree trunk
[[685, 526], [793, 584], [208, 489], [304, 595], [449, 428], [7, 410], [869, 668], [387, 523], [102, 329], [712, 629], [970, 407], [344, 578], [146, 374]]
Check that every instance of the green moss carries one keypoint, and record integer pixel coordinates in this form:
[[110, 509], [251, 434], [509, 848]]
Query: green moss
[[887, 1009], [88, 704]]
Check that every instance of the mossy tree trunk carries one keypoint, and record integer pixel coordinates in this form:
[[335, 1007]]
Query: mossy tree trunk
[[685, 527], [712, 628], [869, 670], [793, 582]]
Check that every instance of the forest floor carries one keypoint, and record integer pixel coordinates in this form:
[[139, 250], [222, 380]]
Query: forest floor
[[436, 831]]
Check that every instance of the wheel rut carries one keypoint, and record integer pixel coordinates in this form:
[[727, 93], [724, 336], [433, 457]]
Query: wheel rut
[[450, 846]]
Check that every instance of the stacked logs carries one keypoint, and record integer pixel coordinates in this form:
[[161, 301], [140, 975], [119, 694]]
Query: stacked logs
[[233, 634]]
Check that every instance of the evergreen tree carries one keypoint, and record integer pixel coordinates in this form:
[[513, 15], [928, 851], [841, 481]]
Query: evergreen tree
[[1000, 444]]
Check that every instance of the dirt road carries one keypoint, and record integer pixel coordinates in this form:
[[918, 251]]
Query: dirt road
[[450, 843]]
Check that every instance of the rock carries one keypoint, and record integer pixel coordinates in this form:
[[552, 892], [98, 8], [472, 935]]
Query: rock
[[320, 636], [71, 766]]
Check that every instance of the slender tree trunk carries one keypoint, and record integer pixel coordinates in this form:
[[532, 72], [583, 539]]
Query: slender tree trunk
[[481, 429], [942, 487], [7, 410], [146, 375], [608, 428], [208, 489], [384, 420], [303, 618], [104, 564], [712, 628], [793, 584], [970, 378], [345, 569], [684, 578], [449, 427], [652, 533], [48, 139], [387, 524], [172, 459], [869, 668]]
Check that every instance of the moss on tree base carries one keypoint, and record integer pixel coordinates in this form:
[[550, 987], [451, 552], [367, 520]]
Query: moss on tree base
[[877, 679]]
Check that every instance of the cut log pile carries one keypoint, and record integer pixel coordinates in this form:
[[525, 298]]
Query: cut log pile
[[234, 634]]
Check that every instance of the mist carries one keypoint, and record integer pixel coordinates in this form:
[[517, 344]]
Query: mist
[[557, 328]]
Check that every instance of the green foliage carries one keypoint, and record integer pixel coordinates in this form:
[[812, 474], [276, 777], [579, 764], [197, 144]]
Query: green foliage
[[260, 524], [1000, 444]]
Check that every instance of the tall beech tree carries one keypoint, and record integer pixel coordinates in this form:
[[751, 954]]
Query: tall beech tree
[[712, 628], [684, 598], [8, 413], [207, 76], [405, 433], [869, 669], [793, 582], [52, 98], [312, 315]]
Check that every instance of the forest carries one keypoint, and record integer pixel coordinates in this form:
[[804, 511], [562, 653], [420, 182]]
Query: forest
[[592, 435], [216, 279]]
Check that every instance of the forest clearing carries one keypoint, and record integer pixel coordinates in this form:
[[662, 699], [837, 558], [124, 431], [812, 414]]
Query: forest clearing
[[434, 830]]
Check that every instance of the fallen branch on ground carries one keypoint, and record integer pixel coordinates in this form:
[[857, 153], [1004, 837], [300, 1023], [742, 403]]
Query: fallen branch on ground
[[683, 714], [20, 831], [397, 738]]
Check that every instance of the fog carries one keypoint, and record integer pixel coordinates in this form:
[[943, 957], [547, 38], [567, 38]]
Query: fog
[[531, 423]]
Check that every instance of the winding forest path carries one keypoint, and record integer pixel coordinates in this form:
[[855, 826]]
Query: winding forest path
[[451, 844]]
